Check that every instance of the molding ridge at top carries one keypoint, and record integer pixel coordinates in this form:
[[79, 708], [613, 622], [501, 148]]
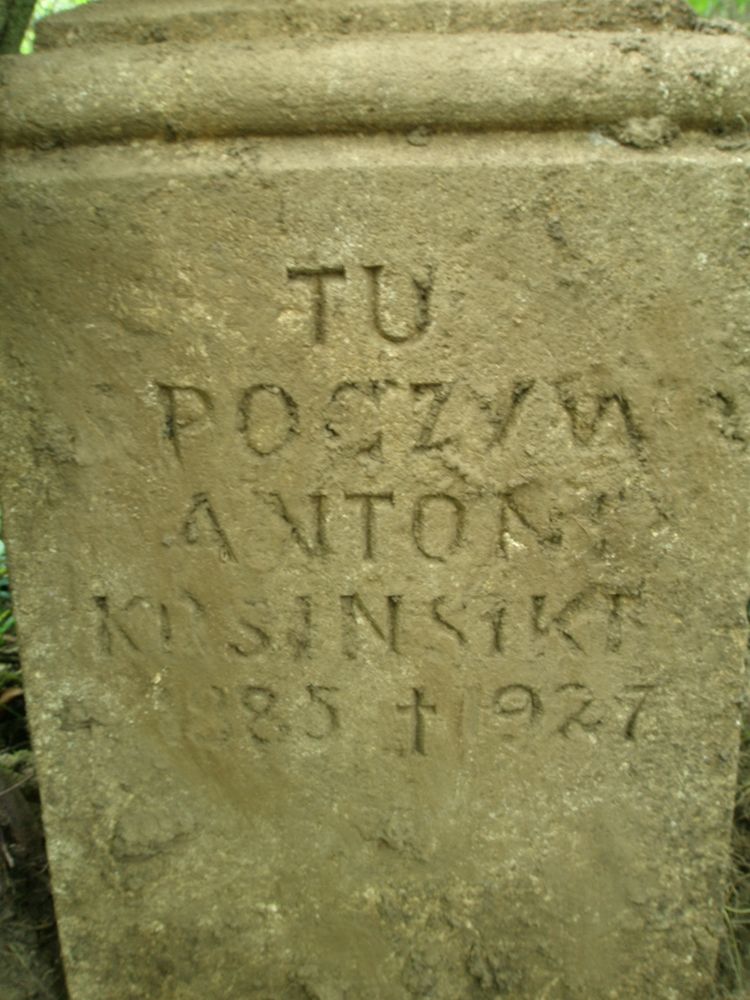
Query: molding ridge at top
[[458, 83], [139, 22]]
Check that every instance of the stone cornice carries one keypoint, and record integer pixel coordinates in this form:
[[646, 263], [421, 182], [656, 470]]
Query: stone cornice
[[456, 82], [155, 21]]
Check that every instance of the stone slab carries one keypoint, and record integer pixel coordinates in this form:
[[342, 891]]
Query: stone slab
[[376, 499], [376, 514]]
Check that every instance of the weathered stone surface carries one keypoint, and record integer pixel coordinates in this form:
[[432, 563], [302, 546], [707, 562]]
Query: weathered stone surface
[[145, 22], [376, 513], [311, 85]]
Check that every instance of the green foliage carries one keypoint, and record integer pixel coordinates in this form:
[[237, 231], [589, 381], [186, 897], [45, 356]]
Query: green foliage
[[738, 10], [14, 16], [45, 7]]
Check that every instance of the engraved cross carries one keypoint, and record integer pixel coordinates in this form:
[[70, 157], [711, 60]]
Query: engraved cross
[[417, 708]]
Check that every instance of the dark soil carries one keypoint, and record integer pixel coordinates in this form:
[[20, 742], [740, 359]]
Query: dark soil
[[29, 953]]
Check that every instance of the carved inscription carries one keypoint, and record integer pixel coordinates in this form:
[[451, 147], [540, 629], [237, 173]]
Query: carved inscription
[[430, 399], [575, 709], [381, 301], [138, 626], [634, 697], [268, 418], [268, 719], [502, 413], [300, 633], [587, 412], [439, 415], [368, 525], [580, 715], [317, 278], [258, 702], [505, 465], [201, 524], [368, 503], [447, 511], [255, 639], [356, 613], [313, 540], [416, 709], [592, 620], [423, 291], [185, 409], [269, 714], [437, 609], [514, 700], [353, 421], [322, 697]]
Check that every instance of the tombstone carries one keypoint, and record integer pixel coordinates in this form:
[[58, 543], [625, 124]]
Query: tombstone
[[373, 480]]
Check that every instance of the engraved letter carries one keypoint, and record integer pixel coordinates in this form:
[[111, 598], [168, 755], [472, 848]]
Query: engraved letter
[[133, 629], [317, 277], [105, 630], [578, 718], [186, 409], [496, 618], [259, 702], [586, 412], [319, 696], [511, 501], [368, 501], [269, 417], [315, 543], [582, 604], [354, 407], [517, 699], [423, 290], [301, 640], [259, 638], [562, 621], [453, 517], [640, 692], [354, 609], [201, 523], [617, 601], [501, 419], [437, 614], [440, 393]]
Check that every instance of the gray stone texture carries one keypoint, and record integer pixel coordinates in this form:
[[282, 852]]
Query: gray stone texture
[[375, 478]]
